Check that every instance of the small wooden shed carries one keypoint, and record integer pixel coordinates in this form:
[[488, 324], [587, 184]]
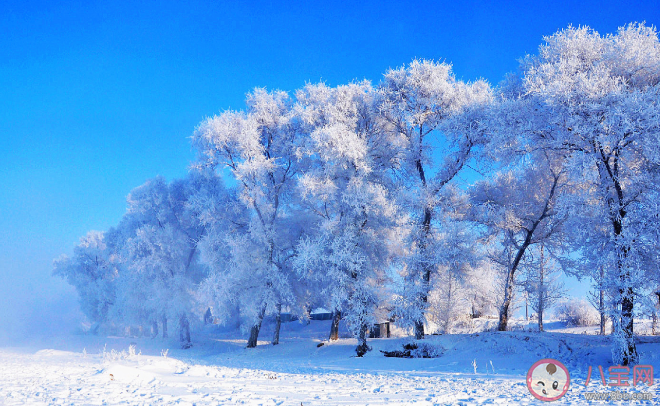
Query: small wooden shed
[[380, 330]]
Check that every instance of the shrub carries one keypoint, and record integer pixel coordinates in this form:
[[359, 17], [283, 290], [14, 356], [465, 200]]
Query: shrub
[[416, 350], [577, 313]]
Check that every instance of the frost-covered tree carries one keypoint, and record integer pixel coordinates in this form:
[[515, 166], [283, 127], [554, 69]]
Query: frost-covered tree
[[454, 287], [346, 186], [600, 298], [162, 271], [138, 297], [448, 300], [519, 208], [542, 282], [258, 147], [595, 98], [93, 271], [224, 217], [417, 101], [649, 307], [481, 289]]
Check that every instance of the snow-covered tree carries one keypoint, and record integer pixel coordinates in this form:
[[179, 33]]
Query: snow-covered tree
[[453, 287], [417, 100], [162, 271], [600, 298], [481, 289], [448, 301], [596, 98], [542, 282], [650, 307], [258, 147], [519, 208], [92, 270], [346, 185]]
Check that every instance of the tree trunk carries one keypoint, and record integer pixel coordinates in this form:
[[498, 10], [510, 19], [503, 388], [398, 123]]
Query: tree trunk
[[426, 272], [630, 355], [165, 327], [627, 334], [419, 329], [540, 315], [541, 307], [426, 266], [362, 347], [508, 289], [541, 291], [608, 168], [601, 308], [334, 326], [278, 324], [526, 308], [504, 309], [601, 301], [446, 328], [184, 331], [254, 331], [154, 329]]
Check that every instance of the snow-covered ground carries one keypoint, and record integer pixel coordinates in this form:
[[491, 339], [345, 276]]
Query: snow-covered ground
[[478, 368]]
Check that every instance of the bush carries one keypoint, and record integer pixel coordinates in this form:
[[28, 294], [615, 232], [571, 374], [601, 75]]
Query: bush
[[415, 350], [577, 313]]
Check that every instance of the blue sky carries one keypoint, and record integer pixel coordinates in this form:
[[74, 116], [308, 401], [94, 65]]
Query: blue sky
[[95, 98]]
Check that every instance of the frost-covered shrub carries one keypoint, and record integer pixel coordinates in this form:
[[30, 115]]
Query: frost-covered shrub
[[577, 313], [426, 350], [114, 355], [416, 350]]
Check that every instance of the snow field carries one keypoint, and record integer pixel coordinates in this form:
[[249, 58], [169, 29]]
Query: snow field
[[53, 377], [218, 370]]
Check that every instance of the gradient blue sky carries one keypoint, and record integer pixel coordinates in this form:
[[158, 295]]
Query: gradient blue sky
[[95, 98]]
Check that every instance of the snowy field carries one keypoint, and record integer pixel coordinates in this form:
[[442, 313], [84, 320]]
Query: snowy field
[[80, 369]]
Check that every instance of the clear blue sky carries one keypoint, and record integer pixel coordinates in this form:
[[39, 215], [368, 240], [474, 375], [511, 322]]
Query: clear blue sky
[[95, 98]]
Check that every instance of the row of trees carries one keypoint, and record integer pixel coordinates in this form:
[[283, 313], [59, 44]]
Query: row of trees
[[396, 199]]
